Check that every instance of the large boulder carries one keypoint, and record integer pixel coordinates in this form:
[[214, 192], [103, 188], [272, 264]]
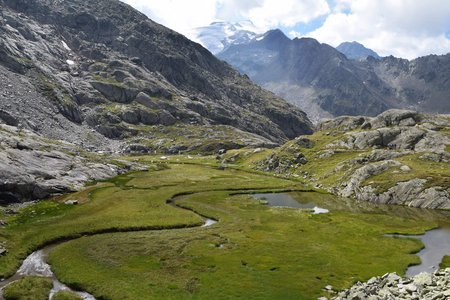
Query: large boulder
[[115, 92], [396, 117]]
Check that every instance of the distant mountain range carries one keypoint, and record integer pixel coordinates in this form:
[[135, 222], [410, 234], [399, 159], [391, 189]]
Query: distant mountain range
[[325, 83], [355, 50]]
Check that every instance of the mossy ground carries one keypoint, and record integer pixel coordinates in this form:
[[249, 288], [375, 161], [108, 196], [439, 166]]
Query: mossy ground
[[254, 251], [66, 295], [445, 262], [28, 288], [124, 203]]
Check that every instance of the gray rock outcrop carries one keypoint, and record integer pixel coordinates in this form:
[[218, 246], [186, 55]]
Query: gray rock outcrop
[[390, 286], [32, 167], [391, 136]]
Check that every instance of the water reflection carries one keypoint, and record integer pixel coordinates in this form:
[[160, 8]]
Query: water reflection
[[436, 241], [286, 200]]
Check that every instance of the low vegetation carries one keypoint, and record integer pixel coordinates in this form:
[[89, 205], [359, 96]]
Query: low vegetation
[[445, 262], [28, 288], [66, 295]]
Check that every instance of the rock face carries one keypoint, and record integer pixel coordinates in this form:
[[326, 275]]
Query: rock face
[[394, 129], [424, 286], [394, 134], [78, 66], [32, 167], [325, 83]]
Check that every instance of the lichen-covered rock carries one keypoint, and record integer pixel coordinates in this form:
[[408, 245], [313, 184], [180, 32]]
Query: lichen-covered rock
[[115, 92]]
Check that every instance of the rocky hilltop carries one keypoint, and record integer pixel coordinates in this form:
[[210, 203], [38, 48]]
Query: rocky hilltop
[[399, 157], [326, 83], [102, 70]]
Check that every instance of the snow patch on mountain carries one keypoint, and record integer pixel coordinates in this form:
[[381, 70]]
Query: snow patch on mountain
[[220, 35]]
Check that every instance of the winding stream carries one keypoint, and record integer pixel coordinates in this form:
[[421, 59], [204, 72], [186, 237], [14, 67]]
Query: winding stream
[[36, 265], [436, 241]]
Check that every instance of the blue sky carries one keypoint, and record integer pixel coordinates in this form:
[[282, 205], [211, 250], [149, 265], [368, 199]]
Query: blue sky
[[302, 29], [403, 28]]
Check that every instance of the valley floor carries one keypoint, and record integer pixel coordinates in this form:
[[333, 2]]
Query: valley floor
[[124, 240]]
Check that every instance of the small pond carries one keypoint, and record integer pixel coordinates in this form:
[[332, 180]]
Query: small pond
[[436, 241], [286, 200]]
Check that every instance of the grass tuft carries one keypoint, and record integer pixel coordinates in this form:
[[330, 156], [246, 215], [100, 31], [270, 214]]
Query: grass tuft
[[28, 288]]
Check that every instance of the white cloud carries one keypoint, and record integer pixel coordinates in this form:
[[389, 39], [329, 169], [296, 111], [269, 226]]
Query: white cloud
[[179, 15], [287, 13], [183, 16], [404, 28]]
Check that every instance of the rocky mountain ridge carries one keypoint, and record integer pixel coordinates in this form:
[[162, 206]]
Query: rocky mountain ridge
[[108, 76], [81, 80], [325, 83]]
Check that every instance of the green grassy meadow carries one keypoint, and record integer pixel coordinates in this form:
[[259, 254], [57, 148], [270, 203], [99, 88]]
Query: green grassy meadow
[[124, 241]]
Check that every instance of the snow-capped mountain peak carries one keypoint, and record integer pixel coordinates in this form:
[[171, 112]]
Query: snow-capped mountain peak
[[219, 35]]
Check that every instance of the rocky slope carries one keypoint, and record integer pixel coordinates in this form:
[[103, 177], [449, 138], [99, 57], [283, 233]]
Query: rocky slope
[[324, 82], [399, 157], [101, 71], [33, 167], [355, 50]]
